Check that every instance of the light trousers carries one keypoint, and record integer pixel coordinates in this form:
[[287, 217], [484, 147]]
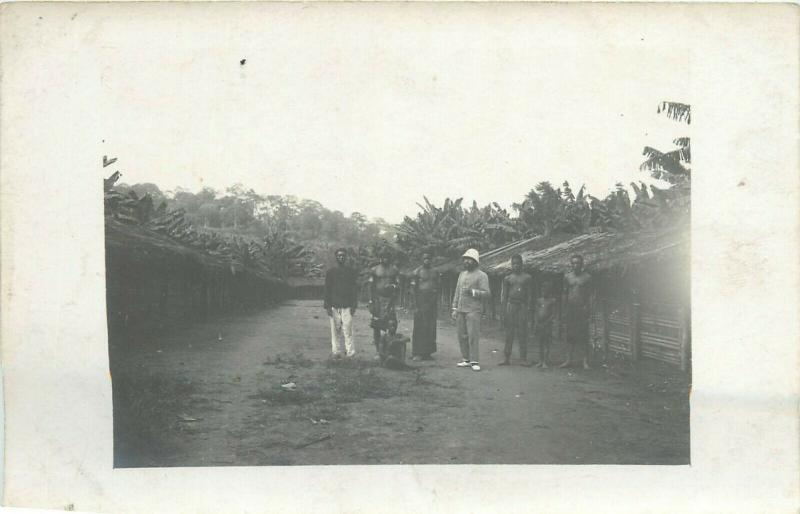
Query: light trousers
[[342, 331], [468, 326]]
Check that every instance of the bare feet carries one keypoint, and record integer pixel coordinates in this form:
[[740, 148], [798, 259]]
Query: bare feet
[[543, 365], [566, 364], [586, 364], [527, 364]]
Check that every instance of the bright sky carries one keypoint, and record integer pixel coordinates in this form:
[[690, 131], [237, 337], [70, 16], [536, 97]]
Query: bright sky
[[366, 110]]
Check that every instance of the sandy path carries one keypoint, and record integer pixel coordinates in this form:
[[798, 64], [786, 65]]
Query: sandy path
[[226, 411]]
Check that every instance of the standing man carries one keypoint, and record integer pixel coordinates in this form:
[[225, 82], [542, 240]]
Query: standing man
[[516, 302], [471, 289], [341, 297], [383, 288], [543, 328], [578, 284], [425, 284]]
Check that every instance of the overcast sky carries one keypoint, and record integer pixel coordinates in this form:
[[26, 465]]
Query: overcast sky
[[367, 112]]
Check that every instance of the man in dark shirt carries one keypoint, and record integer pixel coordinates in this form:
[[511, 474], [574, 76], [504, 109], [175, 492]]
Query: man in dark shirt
[[341, 292]]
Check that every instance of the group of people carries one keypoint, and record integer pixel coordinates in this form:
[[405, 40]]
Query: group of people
[[472, 289], [518, 300]]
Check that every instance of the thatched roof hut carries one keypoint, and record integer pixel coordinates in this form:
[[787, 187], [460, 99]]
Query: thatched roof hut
[[141, 244], [642, 284], [600, 251], [153, 280]]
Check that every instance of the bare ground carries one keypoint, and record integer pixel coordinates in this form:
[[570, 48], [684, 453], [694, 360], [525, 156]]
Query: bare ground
[[190, 398]]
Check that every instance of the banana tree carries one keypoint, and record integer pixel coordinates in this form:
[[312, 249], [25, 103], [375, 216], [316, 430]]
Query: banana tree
[[673, 204]]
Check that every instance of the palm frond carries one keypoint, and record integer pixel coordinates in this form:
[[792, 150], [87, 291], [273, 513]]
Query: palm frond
[[677, 111]]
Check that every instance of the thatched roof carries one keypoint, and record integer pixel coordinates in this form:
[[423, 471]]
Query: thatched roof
[[498, 255], [140, 243], [600, 251]]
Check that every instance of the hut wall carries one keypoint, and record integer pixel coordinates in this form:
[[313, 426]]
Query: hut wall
[[641, 314], [160, 292], [308, 292]]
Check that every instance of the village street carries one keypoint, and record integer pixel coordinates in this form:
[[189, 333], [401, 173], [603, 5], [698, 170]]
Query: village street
[[211, 395]]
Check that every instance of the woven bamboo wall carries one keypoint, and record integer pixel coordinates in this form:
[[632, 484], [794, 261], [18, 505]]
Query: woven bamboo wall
[[654, 330]]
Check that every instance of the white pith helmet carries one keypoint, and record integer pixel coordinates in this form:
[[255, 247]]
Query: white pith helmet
[[472, 253]]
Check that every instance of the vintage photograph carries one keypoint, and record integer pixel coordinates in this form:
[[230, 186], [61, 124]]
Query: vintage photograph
[[407, 245]]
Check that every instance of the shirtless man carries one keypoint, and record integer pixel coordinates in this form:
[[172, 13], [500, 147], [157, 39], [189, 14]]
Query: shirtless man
[[543, 322], [383, 287], [578, 284], [425, 285], [516, 302]]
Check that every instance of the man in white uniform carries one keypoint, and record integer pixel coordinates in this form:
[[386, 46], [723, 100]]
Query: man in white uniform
[[472, 289]]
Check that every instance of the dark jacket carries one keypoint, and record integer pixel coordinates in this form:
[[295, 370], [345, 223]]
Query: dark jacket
[[341, 287]]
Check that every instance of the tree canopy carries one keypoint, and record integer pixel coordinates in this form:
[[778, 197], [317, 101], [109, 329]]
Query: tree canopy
[[298, 236]]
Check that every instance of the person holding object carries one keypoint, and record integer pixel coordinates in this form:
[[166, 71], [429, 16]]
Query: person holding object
[[471, 290], [340, 300], [516, 302], [383, 289]]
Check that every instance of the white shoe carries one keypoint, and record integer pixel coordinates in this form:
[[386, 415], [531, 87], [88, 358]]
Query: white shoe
[[463, 364], [475, 366]]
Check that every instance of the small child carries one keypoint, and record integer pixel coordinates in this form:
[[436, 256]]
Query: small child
[[392, 348], [543, 319]]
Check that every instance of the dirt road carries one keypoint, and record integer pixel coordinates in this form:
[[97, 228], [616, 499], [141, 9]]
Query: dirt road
[[211, 395]]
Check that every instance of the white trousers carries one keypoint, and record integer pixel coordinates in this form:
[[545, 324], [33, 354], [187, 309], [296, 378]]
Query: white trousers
[[342, 328]]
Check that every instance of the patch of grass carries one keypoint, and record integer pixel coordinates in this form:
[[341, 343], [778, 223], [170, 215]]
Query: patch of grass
[[421, 380], [146, 409], [349, 364], [354, 386], [280, 396], [295, 358]]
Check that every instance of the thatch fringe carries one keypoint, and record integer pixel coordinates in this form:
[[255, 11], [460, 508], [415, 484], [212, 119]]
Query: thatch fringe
[[600, 250]]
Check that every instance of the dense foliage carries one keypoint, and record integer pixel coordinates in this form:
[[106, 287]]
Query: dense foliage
[[294, 236], [545, 209], [287, 235]]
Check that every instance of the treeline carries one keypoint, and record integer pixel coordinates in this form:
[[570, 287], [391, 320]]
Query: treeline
[[284, 234], [242, 211], [297, 236], [452, 228]]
